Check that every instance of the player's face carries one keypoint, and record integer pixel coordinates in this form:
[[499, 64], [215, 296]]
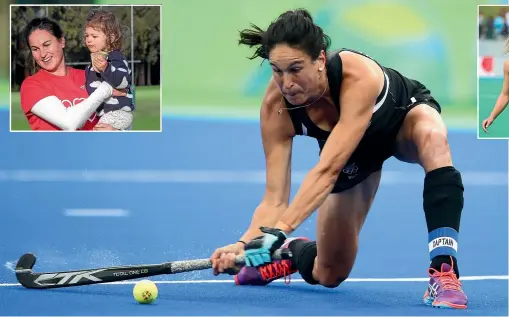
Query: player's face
[[95, 39], [47, 50], [295, 73]]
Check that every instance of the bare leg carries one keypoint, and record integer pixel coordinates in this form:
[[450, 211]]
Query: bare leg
[[339, 223], [423, 139]]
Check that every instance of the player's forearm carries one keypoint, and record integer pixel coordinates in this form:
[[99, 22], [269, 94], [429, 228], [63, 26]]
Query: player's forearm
[[315, 188], [500, 105], [265, 215], [52, 110], [319, 182]]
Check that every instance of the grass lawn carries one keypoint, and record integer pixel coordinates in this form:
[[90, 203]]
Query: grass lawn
[[147, 115]]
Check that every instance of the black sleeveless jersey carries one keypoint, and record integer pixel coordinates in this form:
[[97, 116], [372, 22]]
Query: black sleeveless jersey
[[398, 92]]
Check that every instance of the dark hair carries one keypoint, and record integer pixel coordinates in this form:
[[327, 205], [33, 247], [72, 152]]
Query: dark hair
[[42, 24], [107, 23], [294, 28], [46, 24]]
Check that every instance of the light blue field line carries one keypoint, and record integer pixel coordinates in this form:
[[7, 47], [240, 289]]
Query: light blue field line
[[133, 176], [96, 212], [221, 119]]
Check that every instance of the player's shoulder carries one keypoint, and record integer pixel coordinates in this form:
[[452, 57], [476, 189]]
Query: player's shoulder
[[279, 125], [348, 54], [273, 96], [356, 64]]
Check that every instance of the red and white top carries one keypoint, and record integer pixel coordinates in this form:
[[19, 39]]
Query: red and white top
[[44, 87]]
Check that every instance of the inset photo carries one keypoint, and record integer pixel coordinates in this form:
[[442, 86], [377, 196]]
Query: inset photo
[[85, 68], [493, 72]]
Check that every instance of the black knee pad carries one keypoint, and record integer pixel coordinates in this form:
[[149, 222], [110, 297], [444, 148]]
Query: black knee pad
[[304, 254], [443, 198]]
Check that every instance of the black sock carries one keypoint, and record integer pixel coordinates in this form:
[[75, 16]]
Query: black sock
[[303, 259], [443, 205], [437, 261]]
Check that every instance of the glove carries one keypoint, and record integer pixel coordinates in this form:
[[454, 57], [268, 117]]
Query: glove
[[259, 251]]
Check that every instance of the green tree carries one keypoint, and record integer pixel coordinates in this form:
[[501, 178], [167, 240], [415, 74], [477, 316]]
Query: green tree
[[147, 24], [72, 20]]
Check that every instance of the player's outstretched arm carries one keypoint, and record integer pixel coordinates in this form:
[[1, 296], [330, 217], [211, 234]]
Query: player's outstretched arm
[[502, 100], [277, 134], [277, 138]]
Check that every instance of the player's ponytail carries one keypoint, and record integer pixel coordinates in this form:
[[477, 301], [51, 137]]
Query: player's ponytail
[[254, 37], [294, 28]]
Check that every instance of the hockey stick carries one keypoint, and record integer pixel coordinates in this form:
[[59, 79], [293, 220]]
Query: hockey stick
[[30, 279]]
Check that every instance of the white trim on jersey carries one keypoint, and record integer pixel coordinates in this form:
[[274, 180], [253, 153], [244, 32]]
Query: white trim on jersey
[[381, 102], [52, 109]]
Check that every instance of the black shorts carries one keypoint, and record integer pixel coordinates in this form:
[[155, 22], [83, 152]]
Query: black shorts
[[379, 142]]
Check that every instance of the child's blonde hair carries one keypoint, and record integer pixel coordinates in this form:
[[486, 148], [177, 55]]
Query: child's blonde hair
[[106, 22]]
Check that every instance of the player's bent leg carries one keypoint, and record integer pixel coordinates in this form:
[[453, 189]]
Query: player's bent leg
[[423, 140], [330, 259]]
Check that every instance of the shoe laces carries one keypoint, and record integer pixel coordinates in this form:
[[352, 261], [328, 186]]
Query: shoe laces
[[276, 270], [447, 280]]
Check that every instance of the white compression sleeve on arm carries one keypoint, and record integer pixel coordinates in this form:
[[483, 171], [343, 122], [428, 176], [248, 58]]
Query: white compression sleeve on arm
[[52, 110]]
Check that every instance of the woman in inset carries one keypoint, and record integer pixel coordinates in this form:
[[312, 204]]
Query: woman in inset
[[503, 98], [55, 98]]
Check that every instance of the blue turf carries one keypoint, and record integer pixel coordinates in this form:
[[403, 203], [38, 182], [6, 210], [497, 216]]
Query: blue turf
[[376, 299], [174, 221]]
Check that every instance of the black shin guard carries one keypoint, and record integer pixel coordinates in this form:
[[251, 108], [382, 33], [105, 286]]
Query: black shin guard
[[443, 204], [304, 254]]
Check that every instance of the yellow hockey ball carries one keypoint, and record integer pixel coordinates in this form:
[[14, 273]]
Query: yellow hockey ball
[[145, 292]]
